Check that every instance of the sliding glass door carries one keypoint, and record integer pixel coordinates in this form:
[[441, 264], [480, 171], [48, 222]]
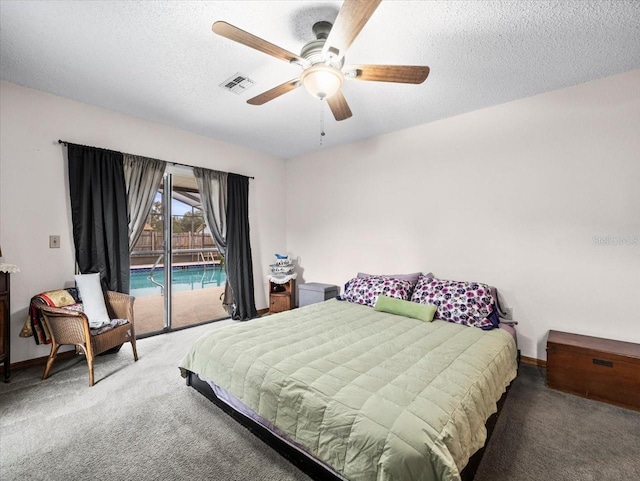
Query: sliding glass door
[[147, 270], [177, 274], [197, 274]]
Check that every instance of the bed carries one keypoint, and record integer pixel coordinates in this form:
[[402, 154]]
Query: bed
[[353, 393]]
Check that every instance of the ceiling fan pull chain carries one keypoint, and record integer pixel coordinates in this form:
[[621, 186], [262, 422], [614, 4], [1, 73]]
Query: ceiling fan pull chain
[[322, 134]]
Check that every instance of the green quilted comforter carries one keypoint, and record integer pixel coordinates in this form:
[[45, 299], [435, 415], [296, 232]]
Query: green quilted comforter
[[375, 395]]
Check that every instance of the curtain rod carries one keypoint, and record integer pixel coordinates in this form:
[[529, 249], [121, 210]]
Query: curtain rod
[[65, 143]]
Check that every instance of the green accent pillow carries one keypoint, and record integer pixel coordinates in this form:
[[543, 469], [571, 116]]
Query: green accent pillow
[[424, 312]]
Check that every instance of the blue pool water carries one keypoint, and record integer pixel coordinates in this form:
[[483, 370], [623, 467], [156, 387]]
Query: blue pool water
[[183, 279]]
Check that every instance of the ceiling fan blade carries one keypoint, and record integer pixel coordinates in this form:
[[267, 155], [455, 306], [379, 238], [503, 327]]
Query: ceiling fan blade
[[237, 35], [406, 74], [351, 18], [275, 92], [339, 107]]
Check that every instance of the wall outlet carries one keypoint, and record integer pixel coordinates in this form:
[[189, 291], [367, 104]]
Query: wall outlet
[[54, 242], [508, 313]]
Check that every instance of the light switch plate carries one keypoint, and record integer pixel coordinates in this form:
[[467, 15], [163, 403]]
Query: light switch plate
[[54, 242]]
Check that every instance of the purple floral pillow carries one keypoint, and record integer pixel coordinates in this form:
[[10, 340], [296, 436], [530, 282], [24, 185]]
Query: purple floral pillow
[[466, 303], [365, 290]]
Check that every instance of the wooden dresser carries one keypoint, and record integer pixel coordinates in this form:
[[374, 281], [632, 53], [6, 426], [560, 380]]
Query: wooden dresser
[[600, 369], [5, 291]]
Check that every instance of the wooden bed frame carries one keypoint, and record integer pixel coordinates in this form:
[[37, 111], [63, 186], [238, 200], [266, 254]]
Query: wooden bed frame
[[305, 462]]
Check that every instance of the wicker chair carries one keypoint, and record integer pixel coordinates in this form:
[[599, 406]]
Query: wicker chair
[[72, 327]]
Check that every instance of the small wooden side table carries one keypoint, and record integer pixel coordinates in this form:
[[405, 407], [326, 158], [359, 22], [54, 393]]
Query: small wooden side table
[[282, 296]]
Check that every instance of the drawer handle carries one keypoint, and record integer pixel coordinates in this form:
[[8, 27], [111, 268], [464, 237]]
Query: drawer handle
[[602, 362]]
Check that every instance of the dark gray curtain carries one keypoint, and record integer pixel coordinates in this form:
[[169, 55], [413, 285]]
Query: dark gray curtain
[[142, 177], [238, 259], [99, 214]]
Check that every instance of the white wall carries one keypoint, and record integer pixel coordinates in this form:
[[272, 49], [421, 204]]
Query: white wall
[[34, 194], [511, 196]]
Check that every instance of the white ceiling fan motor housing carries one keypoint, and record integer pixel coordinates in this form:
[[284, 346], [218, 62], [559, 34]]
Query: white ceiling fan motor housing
[[323, 77], [312, 51]]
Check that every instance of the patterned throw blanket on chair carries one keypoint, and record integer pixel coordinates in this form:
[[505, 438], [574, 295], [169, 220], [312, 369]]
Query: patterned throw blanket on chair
[[34, 325]]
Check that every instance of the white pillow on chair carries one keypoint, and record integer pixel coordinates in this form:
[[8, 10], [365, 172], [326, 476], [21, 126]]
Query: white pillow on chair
[[93, 299]]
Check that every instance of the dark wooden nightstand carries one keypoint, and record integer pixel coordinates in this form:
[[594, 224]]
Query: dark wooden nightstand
[[282, 296]]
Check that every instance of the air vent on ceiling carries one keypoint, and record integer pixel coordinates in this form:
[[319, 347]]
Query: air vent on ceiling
[[237, 83]]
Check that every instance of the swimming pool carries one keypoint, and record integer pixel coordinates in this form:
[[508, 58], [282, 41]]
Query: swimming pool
[[182, 279]]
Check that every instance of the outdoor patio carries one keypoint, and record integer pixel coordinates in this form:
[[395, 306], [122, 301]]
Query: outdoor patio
[[189, 307]]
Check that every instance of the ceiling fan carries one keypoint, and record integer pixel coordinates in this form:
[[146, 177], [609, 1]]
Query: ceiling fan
[[323, 60]]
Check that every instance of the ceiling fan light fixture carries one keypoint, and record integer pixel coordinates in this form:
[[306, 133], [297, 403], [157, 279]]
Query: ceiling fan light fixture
[[322, 81]]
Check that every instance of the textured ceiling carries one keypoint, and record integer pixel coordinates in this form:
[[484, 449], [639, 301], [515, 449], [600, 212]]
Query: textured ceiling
[[160, 60]]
